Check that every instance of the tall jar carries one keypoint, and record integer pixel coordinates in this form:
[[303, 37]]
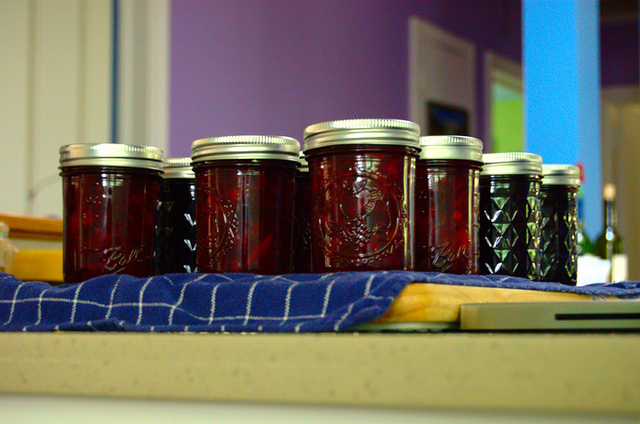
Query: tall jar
[[302, 220], [110, 194], [362, 181], [447, 204], [245, 192], [176, 237], [510, 214], [559, 224]]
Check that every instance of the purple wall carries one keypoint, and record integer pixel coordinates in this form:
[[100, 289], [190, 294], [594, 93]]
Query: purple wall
[[276, 66], [619, 54]]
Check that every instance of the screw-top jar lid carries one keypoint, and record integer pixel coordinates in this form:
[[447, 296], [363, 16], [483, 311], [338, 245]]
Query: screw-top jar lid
[[511, 164], [560, 175], [304, 165], [111, 154], [245, 147], [453, 147], [178, 168], [362, 131]]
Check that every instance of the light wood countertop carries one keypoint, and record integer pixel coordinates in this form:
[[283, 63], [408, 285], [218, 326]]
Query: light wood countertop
[[537, 372]]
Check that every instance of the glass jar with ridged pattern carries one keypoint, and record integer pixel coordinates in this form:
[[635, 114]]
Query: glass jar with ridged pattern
[[510, 214], [559, 224]]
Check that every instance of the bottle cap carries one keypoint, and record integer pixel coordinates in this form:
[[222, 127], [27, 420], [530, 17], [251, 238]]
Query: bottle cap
[[453, 147], [362, 131], [111, 154], [511, 164], [245, 147], [561, 175]]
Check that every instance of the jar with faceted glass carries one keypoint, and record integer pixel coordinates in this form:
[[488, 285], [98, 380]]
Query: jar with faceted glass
[[510, 214], [110, 194], [559, 224], [363, 184], [176, 237], [245, 193], [447, 204], [302, 220]]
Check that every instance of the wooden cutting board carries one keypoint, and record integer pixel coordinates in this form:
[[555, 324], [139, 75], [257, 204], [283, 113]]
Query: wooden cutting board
[[425, 302]]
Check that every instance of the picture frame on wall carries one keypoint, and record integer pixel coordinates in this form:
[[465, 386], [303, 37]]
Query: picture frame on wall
[[443, 119]]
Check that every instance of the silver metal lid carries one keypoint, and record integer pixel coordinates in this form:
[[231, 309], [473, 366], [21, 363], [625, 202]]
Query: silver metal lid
[[511, 164], [362, 131], [560, 175], [304, 165], [111, 154], [454, 147], [178, 168], [245, 147]]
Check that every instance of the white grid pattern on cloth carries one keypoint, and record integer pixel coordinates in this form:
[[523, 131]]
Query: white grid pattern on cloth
[[121, 300], [142, 306]]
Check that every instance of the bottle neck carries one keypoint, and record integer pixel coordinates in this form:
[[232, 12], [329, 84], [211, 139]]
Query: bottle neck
[[610, 218]]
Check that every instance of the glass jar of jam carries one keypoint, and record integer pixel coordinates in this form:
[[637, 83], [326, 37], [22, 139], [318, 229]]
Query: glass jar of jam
[[110, 194], [559, 224], [302, 220], [245, 192], [447, 204], [176, 237], [362, 181], [510, 214]]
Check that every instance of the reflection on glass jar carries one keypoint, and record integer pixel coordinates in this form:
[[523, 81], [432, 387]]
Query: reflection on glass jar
[[362, 183], [245, 191], [110, 194]]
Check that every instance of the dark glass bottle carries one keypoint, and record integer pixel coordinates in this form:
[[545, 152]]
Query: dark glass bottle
[[559, 224], [176, 233], [447, 204], [245, 194], [110, 194], [363, 186], [510, 215], [610, 245]]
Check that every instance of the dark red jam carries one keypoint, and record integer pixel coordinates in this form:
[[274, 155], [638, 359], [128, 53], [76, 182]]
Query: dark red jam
[[176, 232], [446, 224], [244, 215], [109, 221], [362, 214], [510, 225], [559, 224], [302, 224]]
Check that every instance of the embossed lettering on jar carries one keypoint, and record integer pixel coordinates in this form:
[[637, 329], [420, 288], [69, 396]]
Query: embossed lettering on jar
[[245, 192], [510, 214], [110, 194], [362, 181], [447, 204]]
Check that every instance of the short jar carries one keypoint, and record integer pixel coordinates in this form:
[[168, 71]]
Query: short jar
[[447, 204], [110, 195], [363, 184], [302, 220], [176, 237], [559, 224], [510, 214], [245, 194]]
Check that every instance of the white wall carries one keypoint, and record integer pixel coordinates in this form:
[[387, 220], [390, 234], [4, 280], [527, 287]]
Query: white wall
[[55, 62]]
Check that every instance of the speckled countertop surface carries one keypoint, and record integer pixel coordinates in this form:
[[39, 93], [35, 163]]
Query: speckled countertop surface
[[535, 372]]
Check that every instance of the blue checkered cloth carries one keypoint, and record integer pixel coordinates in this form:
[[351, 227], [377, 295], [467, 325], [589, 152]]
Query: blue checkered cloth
[[233, 302]]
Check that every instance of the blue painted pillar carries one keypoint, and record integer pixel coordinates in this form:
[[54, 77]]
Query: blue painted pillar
[[561, 75]]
